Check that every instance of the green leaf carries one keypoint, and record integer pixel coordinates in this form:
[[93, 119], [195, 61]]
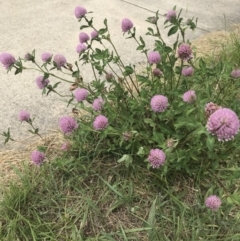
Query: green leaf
[[150, 122], [210, 142], [172, 30], [127, 159]]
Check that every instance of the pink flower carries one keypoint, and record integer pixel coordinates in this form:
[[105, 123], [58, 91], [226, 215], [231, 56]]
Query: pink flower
[[235, 73], [24, 115], [184, 52], [67, 124], [65, 146], [46, 57], [94, 34], [59, 60], [7, 60], [126, 25], [223, 123], [80, 12], [213, 202], [156, 72], [156, 158], [171, 15], [41, 82], [81, 48], [159, 103], [100, 122], [80, 94], [37, 157], [83, 37], [98, 104], [154, 57], [189, 96], [187, 71], [211, 108]]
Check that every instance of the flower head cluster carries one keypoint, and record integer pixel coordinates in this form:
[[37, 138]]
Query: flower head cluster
[[157, 72], [211, 108], [126, 25], [187, 71], [83, 37], [80, 94], [189, 96], [223, 123], [80, 12], [94, 34], [41, 82], [213, 202], [171, 15], [100, 122], [37, 157], [67, 124], [29, 57], [170, 142], [159, 103], [98, 103], [65, 146], [81, 48], [156, 158], [184, 52], [59, 60], [127, 135], [235, 73], [7, 60], [23, 115], [46, 57], [154, 57], [109, 76]]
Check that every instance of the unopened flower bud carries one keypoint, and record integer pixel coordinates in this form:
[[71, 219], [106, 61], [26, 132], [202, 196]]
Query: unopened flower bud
[[29, 57]]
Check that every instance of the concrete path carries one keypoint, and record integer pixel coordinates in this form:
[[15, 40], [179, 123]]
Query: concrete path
[[51, 26]]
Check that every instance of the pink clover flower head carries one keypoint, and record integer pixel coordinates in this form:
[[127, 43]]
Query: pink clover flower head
[[41, 82], [100, 122], [98, 104], [213, 202], [80, 94], [23, 115], [81, 48], [37, 157], [189, 96], [211, 108], [157, 72], [83, 37], [184, 52], [126, 25], [46, 57], [235, 73], [59, 60], [94, 34], [187, 71], [159, 103], [65, 146], [7, 60], [156, 158], [80, 12], [67, 124], [154, 57], [171, 15], [224, 124]]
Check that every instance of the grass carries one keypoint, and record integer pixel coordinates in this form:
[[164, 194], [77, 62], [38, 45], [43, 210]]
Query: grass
[[84, 199]]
